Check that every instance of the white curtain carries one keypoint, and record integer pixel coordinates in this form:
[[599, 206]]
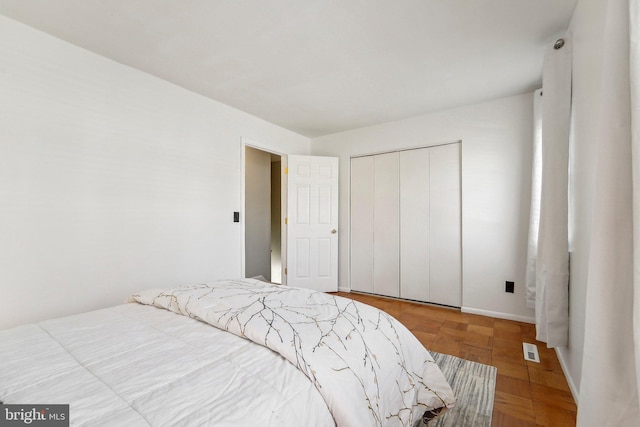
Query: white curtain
[[634, 83], [611, 357], [534, 216], [548, 257]]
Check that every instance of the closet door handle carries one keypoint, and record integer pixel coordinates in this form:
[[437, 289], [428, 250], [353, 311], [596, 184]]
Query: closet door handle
[[334, 231]]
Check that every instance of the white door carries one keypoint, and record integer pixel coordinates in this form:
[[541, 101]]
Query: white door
[[386, 226], [312, 222], [414, 224], [362, 206], [444, 226]]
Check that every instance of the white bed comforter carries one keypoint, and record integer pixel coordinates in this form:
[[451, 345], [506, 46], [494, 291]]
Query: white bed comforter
[[370, 370], [135, 365]]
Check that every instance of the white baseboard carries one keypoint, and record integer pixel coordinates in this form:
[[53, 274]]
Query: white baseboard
[[341, 289], [565, 370], [498, 314]]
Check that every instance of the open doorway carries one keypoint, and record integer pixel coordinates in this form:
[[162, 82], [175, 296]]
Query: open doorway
[[263, 214]]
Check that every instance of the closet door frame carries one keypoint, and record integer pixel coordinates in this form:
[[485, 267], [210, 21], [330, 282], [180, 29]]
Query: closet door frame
[[417, 147]]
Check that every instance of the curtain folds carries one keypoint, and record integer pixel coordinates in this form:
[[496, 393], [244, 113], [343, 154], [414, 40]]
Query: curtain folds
[[534, 215], [611, 355], [548, 257], [634, 67]]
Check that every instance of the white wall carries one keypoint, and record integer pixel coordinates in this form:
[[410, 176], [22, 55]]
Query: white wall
[[111, 180], [257, 216], [496, 176]]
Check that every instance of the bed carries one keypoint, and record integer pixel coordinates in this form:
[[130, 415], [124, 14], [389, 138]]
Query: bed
[[231, 353]]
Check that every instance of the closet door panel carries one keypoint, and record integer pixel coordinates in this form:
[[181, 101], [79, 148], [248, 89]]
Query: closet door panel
[[445, 225], [362, 169], [386, 228], [414, 224]]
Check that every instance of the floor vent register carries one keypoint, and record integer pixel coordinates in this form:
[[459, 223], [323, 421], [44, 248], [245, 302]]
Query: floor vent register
[[530, 352]]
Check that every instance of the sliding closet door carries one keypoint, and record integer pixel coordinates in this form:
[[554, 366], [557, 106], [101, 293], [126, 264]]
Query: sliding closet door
[[362, 169], [414, 224], [445, 225], [386, 227], [406, 224]]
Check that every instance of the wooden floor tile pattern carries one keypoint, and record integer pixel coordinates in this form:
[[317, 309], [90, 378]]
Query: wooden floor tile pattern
[[528, 394]]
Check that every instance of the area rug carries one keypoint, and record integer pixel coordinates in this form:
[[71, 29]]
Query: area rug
[[474, 386]]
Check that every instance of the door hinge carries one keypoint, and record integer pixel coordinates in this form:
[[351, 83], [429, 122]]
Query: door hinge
[[285, 271], [286, 220], [286, 171]]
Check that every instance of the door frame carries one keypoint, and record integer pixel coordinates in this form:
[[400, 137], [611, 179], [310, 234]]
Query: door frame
[[245, 142]]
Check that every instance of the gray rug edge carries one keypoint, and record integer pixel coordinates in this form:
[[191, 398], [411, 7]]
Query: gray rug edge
[[473, 385]]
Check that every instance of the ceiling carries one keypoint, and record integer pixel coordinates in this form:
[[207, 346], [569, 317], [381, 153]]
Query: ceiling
[[318, 66]]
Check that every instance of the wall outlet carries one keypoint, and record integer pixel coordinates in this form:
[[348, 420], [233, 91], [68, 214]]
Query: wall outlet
[[508, 286]]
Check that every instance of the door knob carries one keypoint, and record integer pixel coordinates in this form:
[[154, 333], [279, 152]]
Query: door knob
[[334, 231]]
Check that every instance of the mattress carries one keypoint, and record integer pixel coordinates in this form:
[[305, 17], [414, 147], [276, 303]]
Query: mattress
[[156, 362]]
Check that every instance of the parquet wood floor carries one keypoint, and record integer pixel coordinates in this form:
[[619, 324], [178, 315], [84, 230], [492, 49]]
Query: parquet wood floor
[[528, 394]]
